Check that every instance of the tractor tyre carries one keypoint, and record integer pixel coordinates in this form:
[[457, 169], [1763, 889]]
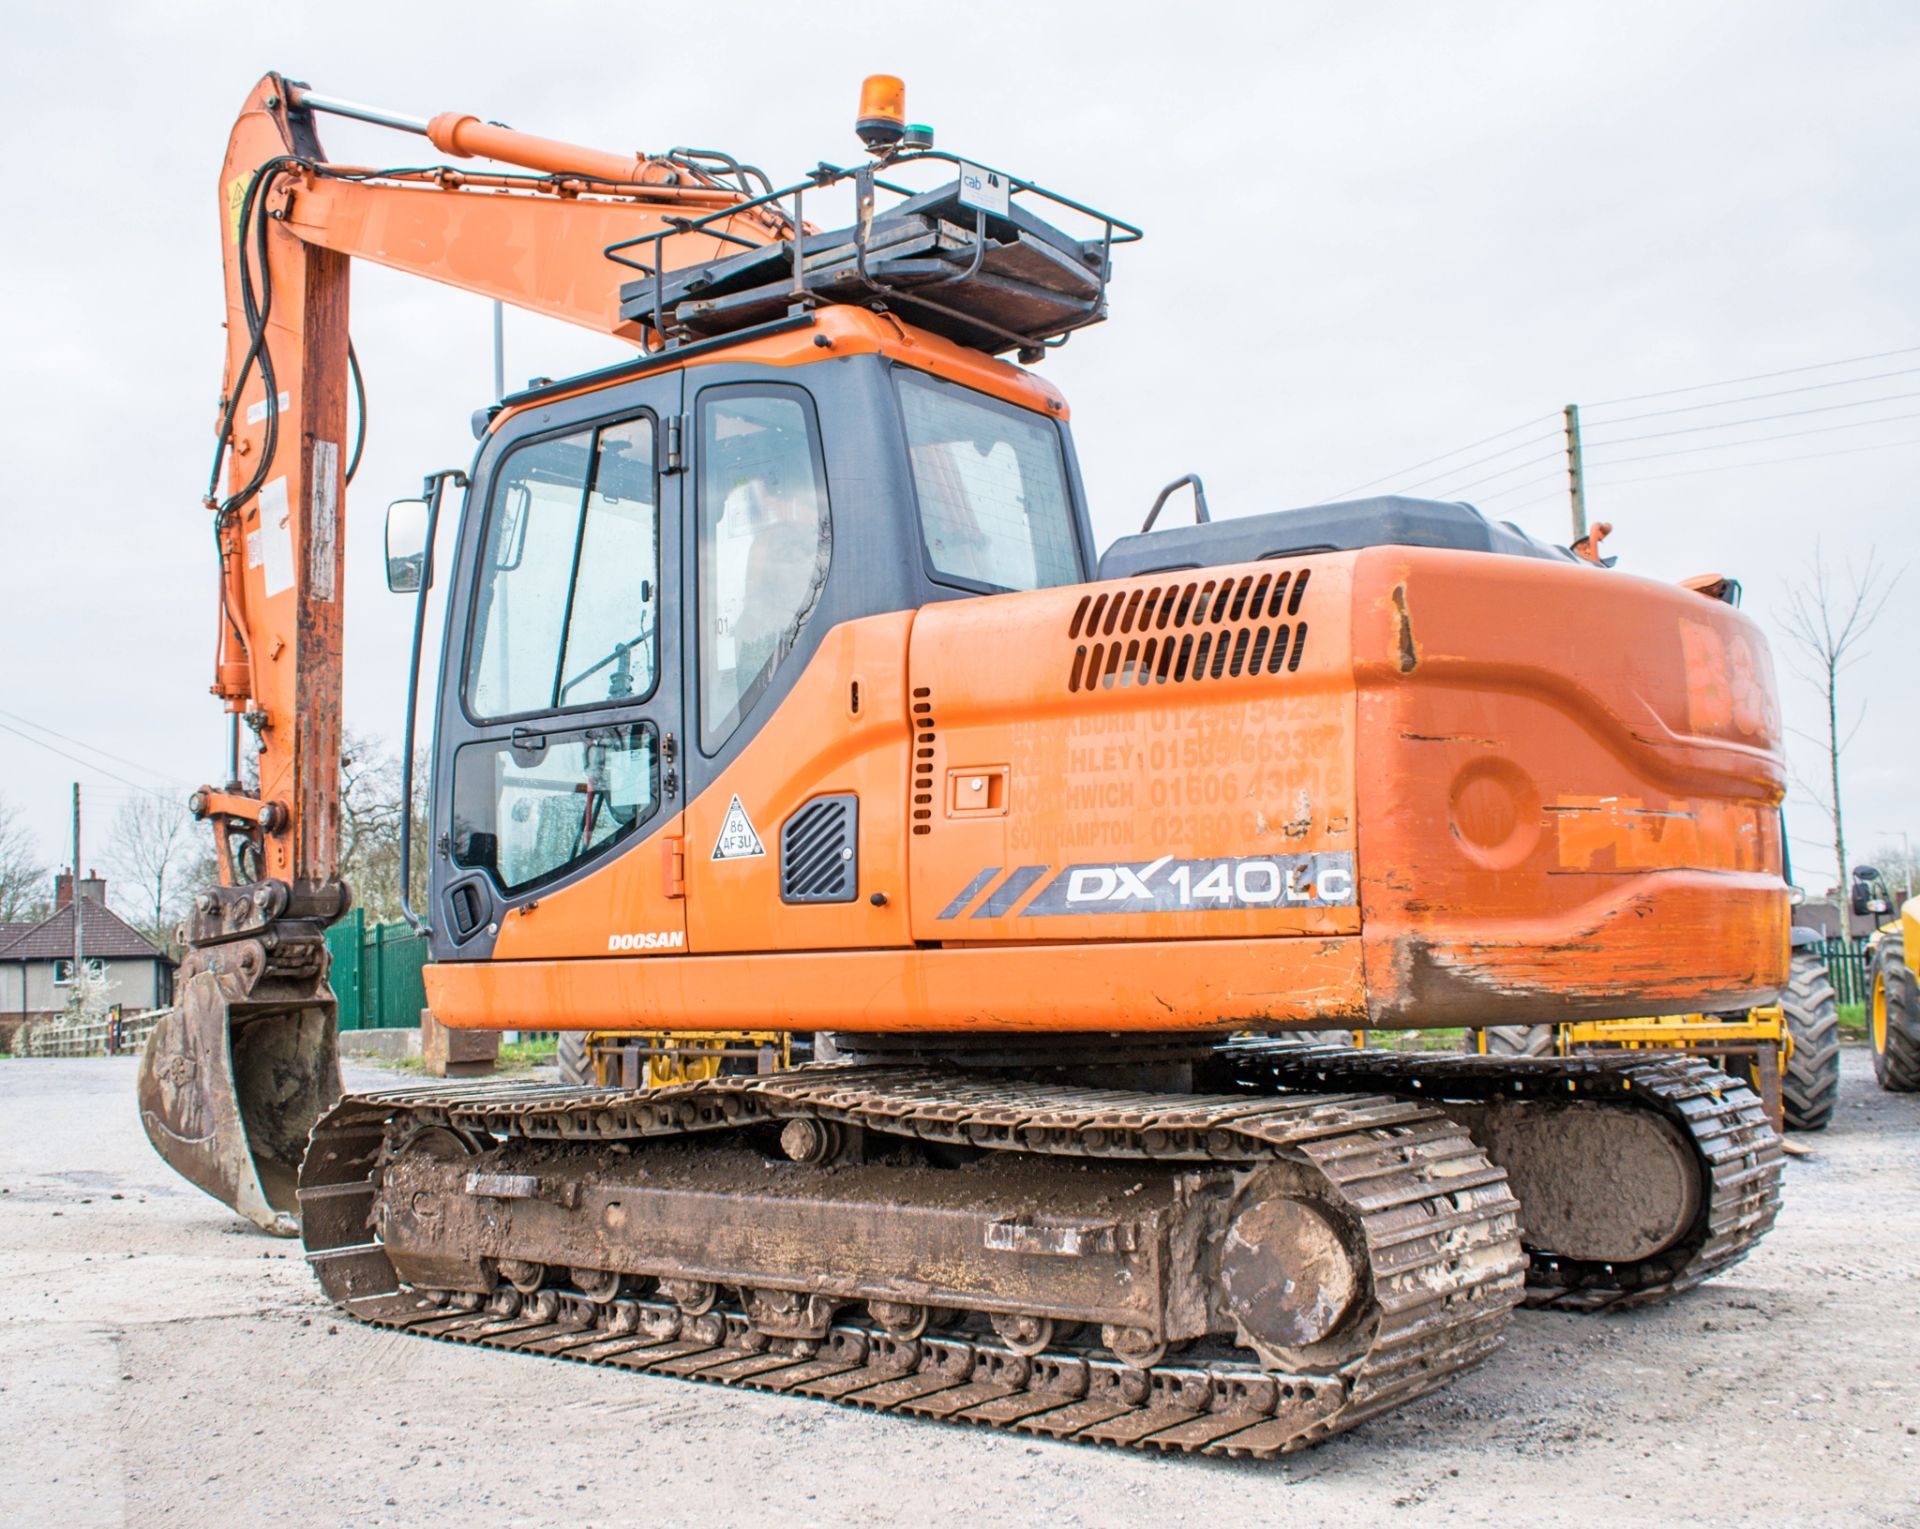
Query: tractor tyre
[[1810, 1081], [1519, 1040], [1893, 1017], [576, 1067]]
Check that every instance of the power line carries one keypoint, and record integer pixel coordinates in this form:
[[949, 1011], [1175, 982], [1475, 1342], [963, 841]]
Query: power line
[[1456, 489], [1805, 456], [1490, 477], [1458, 450], [76, 759], [1722, 403], [1757, 419], [1761, 440], [113, 788], [1727, 382], [91, 748], [1482, 462], [1518, 509], [1502, 493]]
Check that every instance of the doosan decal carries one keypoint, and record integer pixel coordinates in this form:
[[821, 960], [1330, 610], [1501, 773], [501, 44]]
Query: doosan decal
[[648, 939]]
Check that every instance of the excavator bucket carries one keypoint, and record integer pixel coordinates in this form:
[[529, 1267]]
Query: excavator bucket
[[231, 1084]]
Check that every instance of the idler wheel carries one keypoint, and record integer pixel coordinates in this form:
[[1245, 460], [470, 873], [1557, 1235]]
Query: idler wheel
[[899, 1319], [523, 1276], [1024, 1335], [806, 1140], [693, 1296], [788, 1314], [1288, 1275], [1135, 1346], [598, 1285]]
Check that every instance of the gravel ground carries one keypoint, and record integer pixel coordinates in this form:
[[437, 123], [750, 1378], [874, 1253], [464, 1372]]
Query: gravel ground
[[162, 1363]]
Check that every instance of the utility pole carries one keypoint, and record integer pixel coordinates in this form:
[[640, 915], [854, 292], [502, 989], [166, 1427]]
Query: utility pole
[[79, 945], [499, 350], [1576, 472]]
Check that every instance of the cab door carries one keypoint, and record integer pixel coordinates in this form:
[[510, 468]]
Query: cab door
[[561, 702]]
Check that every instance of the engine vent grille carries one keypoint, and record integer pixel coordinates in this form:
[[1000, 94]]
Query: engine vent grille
[[819, 851], [1199, 629], [922, 806]]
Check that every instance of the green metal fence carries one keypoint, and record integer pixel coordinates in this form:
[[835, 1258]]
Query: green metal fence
[[1847, 969], [376, 973]]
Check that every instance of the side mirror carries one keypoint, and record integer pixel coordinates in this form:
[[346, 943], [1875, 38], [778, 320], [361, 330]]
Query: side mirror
[[406, 545]]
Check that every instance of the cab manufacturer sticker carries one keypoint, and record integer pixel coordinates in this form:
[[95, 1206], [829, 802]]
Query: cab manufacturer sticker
[[649, 939]]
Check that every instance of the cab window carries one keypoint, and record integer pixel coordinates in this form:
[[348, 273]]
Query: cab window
[[567, 610], [764, 545], [530, 808], [992, 484]]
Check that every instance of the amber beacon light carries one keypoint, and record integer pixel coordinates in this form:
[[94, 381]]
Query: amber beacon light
[[883, 111]]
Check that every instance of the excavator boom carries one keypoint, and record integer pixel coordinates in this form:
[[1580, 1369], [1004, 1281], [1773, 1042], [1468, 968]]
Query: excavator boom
[[237, 1072]]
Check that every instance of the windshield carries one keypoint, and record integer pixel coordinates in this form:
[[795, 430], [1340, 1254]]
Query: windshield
[[566, 611], [992, 483], [765, 544]]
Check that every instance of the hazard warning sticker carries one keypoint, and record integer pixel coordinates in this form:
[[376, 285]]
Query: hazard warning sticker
[[737, 839]]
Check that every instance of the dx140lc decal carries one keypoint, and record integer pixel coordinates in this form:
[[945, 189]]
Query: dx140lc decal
[[1166, 885]]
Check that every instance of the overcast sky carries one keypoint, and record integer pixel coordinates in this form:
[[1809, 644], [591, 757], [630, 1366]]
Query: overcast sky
[[1374, 234]]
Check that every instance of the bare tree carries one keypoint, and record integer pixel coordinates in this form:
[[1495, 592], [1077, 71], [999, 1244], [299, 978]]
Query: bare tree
[[1827, 625], [153, 858], [1900, 865], [160, 858], [23, 878], [89, 992], [370, 827]]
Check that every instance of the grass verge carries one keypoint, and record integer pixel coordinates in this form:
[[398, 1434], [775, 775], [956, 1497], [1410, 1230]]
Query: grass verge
[[515, 1056]]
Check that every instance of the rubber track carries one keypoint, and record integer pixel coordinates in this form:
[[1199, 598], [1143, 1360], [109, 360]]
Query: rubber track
[[1439, 1224], [1737, 1151]]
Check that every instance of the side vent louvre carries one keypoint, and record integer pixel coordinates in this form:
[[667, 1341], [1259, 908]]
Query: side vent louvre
[[1198, 629], [819, 851], [922, 804]]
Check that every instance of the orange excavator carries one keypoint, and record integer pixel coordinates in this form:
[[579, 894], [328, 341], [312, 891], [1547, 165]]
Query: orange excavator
[[783, 688]]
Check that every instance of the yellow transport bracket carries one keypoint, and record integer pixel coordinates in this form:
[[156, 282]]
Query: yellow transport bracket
[[661, 1058], [1759, 1037]]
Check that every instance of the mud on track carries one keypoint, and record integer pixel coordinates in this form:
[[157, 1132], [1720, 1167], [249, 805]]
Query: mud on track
[[162, 1363]]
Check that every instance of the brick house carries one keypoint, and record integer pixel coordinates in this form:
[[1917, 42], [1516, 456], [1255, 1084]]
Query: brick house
[[36, 960]]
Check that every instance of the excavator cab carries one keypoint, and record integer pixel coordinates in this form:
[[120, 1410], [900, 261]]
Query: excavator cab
[[642, 572]]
